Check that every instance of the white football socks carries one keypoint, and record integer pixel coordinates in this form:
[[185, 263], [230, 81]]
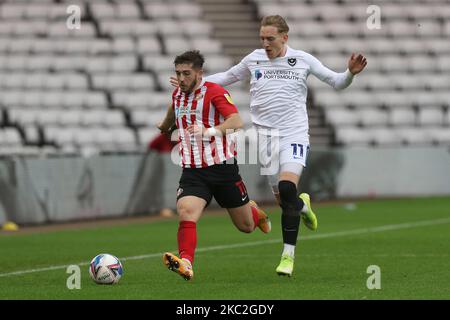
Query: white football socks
[[289, 249]]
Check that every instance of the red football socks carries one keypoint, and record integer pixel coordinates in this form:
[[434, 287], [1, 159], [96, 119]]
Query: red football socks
[[187, 240]]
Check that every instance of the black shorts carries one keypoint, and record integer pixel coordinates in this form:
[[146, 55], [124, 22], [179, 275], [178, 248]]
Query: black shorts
[[221, 181]]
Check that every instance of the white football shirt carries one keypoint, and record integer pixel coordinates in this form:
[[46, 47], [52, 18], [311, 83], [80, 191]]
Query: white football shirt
[[278, 87]]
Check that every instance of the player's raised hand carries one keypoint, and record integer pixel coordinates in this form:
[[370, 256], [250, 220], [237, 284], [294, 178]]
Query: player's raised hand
[[174, 81], [357, 63]]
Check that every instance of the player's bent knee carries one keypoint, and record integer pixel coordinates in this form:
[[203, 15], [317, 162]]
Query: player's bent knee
[[288, 197], [187, 212]]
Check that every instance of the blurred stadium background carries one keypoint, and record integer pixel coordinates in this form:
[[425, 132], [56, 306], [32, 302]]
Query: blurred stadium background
[[79, 107]]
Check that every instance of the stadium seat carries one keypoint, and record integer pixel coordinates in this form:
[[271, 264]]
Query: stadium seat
[[84, 137], [352, 136], [177, 45], [70, 118], [124, 138], [436, 46], [62, 137], [104, 139], [413, 136], [384, 136], [341, 117], [440, 135], [431, 117], [217, 64], [123, 45], [196, 28], [329, 99], [359, 99], [373, 117], [56, 31], [168, 27], [158, 63], [48, 117], [402, 116], [11, 137], [148, 45], [422, 64], [31, 134], [113, 119], [158, 10], [123, 63], [186, 10]]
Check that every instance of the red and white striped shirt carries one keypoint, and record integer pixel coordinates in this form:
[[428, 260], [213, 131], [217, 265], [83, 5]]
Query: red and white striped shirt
[[208, 106]]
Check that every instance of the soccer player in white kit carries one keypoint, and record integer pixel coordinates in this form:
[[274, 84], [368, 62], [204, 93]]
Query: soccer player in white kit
[[278, 111]]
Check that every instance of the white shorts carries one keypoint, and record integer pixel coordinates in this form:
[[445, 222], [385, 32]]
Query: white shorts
[[280, 154]]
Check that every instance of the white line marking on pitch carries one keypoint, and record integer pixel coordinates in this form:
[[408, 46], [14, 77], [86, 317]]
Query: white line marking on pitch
[[257, 243]]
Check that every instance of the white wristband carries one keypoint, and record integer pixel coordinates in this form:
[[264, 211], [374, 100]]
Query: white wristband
[[210, 132]]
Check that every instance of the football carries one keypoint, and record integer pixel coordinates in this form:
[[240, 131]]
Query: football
[[105, 269]]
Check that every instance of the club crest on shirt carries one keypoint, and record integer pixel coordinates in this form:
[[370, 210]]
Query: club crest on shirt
[[258, 74], [198, 96], [292, 61], [227, 96]]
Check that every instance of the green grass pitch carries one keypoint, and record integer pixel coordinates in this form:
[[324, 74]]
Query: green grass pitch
[[408, 239]]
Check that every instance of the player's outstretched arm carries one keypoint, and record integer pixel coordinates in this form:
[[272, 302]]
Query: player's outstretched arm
[[356, 63], [232, 75], [337, 80]]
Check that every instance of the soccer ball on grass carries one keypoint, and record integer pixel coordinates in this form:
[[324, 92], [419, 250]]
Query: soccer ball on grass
[[105, 269]]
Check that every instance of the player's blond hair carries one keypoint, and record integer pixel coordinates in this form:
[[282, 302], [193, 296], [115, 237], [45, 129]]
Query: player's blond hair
[[275, 21]]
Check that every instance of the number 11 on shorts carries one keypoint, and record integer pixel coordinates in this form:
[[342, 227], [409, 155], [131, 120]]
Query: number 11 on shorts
[[297, 150]]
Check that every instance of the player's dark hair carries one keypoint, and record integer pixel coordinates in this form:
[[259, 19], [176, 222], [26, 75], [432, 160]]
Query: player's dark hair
[[193, 57], [275, 21]]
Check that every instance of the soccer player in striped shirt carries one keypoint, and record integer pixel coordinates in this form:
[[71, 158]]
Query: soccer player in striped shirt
[[278, 109], [204, 113]]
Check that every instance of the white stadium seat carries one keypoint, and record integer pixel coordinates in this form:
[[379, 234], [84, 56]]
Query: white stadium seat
[[186, 10], [373, 117], [159, 63], [148, 45], [440, 135], [384, 136], [411, 135], [168, 27], [402, 116], [48, 117], [158, 10], [431, 117], [352, 136], [70, 118], [341, 117]]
